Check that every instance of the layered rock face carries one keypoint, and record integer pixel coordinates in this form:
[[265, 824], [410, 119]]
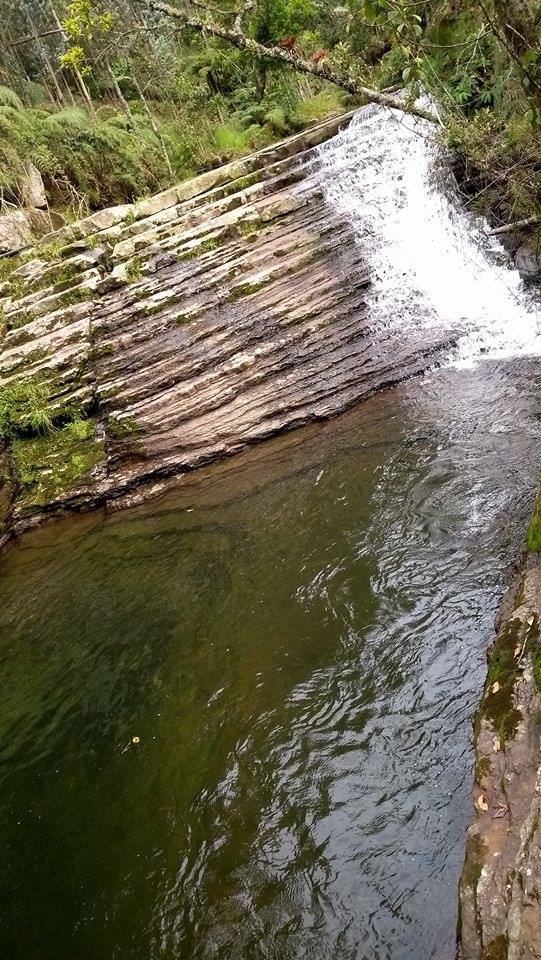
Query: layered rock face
[[157, 336], [500, 888]]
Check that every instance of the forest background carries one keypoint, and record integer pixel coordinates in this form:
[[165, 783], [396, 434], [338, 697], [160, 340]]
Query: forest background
[[115, 100]]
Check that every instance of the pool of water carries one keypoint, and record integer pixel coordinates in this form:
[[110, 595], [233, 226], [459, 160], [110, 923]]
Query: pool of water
[[236, 723]]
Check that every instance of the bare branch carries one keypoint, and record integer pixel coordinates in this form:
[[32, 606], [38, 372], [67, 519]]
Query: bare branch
[[46, 33], [240, 19], [517, 225]]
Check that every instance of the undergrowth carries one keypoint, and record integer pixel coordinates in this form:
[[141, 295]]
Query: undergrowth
[[88, 162]]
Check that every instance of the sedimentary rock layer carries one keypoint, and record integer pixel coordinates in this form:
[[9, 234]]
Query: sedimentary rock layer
[[500, 887], [160, 335]]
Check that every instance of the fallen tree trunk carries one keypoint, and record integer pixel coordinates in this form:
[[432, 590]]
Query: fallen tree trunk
[[321, 70], [517, 225]]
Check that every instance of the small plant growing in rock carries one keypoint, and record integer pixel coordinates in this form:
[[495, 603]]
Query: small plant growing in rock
[[134, 270]]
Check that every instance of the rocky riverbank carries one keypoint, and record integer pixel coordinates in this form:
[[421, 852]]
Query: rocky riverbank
[[500, 888], [154, 337]]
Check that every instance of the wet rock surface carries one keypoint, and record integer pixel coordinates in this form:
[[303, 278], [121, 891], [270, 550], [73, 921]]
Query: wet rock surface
[[528, 260], [500, 888], [22, 227], [182, 328]]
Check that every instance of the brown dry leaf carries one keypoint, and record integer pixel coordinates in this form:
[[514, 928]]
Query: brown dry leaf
[[495, 687], [517, 651], [496, 744], [501, 811], [481, 802]]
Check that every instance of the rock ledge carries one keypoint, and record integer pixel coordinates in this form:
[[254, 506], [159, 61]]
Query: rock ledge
[[157, 336], [500, 887]]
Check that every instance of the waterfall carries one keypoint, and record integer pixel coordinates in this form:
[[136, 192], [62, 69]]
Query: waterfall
[[431, 261]]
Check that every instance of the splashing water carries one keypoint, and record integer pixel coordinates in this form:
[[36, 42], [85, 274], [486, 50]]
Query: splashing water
[[432, 263]]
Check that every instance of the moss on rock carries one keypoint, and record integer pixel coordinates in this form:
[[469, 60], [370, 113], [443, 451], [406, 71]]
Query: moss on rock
[[496, 949], [503, 671], [533, 536], [51, 466]]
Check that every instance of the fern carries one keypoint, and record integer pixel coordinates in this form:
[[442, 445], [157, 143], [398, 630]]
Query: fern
[[8, 98]]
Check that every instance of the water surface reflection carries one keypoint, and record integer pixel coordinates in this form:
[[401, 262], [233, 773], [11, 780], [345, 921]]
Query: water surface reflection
[[297, 639]]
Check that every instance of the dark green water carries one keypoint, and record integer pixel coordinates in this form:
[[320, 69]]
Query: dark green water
[[298, 641]]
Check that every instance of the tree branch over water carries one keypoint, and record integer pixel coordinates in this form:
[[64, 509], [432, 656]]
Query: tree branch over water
[[322, 70]]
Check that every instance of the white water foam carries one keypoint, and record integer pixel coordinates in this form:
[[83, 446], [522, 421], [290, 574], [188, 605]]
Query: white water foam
[[431, 262]]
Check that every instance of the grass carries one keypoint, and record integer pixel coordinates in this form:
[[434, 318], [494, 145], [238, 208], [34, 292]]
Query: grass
[[25, 408]]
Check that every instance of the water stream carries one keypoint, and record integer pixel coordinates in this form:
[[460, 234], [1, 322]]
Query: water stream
[[236, 722]]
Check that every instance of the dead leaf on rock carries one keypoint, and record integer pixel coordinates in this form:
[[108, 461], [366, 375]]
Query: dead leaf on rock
[[495, 687], [517, 651], [496, 744], [501, 810], [481, 802]]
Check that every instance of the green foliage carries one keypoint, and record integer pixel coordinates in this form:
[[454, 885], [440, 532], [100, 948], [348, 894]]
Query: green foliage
[[88, 162], [84, 19], [275, 19], [24, 407], [74, 59], [8, 98], [500, 153], [79, 156], [211, 102]]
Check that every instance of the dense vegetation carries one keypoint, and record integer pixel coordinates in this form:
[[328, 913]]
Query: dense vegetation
[[115, 99]]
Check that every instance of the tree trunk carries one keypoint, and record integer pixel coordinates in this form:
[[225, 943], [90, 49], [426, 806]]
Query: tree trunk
[[48, 65], [117, 89], [261, 80], [154, 126], [79, 80]]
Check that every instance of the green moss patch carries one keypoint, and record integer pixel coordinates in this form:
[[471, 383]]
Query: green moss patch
[[121, 427], [533, 536], [8, 265], [535, 653], [503, 670], [246, 289], [53, 250], [475, 859], [49, 466], [243, 183], [124, 435], [134, 270], [206, 246], [514, 641], [482, 767]]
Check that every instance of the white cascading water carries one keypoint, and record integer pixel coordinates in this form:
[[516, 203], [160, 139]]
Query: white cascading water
[[431, 262]]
